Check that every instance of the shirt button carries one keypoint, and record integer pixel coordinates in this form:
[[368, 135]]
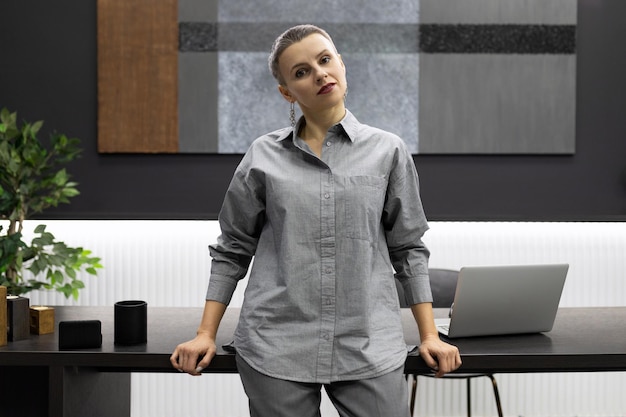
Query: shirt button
[[326, 195], [329, 143], [328, 270]]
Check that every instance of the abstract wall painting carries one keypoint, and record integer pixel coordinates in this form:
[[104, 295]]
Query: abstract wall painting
[[448, 76]]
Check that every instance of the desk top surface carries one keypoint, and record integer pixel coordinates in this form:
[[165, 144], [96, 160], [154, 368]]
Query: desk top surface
[[583, 339]]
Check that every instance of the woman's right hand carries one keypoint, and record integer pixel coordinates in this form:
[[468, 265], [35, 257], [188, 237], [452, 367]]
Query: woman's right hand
[[195, 355]]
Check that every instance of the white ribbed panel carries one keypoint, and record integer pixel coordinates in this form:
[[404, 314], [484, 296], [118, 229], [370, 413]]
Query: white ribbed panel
[[596, 253], [166, 263]]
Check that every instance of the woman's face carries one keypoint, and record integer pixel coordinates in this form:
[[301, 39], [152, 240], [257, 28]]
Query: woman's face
[[314, 74]]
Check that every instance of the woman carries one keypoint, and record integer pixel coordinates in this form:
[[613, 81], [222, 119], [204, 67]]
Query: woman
[[329, 208]]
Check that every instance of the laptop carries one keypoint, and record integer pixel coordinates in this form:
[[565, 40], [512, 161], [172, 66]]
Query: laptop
[[500, 300]]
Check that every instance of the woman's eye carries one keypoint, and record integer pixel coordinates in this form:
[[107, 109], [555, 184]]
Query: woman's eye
[[300, 73], [325, 60]]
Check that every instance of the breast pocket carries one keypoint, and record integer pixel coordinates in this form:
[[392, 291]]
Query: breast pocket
[[365, 197]]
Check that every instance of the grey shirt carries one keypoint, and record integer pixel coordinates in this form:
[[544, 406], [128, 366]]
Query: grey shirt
[[327, 235]]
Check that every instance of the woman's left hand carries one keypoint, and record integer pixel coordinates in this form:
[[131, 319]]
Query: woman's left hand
[[442, 357]]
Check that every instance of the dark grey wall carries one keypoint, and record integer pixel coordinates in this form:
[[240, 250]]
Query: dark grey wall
[[48, 71]]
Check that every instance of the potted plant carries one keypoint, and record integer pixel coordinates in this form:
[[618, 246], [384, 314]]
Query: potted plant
[[33, 178]]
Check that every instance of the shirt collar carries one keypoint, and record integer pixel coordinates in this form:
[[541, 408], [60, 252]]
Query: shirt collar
[[349, 124]]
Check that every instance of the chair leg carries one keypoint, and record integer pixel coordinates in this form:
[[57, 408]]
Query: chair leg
[[469, 397], [494, 384], [413, 394], [496, 394]]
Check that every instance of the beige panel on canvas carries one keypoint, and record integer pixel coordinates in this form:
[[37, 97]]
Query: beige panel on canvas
[[137, 76]]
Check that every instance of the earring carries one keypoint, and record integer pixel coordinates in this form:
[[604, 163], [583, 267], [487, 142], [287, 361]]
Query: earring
[[292, 114]]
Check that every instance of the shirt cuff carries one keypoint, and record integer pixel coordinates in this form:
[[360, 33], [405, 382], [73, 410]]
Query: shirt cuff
[[220, 289], [417, 290]]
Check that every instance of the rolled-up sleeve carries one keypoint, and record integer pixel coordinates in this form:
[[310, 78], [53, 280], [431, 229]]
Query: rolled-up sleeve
[[241, 220], [405, 224]]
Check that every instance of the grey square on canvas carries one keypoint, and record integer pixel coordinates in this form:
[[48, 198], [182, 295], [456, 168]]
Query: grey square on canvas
[[197, 102], [472, 103]]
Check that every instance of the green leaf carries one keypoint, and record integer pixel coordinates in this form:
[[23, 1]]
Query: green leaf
[[57, 277], [62, 141], [36, 126], [70, 272], [67, 290], [70, 192], [61, 177], [55, 260]]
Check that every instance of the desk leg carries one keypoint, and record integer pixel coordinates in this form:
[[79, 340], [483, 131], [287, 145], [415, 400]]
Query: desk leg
[[79, 392], [24, 391]]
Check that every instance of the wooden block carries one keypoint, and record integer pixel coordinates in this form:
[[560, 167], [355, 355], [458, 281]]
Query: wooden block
[[3, 315], [41, 320], [17, 318]]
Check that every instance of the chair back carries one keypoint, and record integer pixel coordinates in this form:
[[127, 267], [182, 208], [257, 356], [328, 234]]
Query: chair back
[[442, 285]]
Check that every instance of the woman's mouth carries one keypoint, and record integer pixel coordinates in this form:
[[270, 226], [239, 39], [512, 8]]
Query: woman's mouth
[[326, 89]]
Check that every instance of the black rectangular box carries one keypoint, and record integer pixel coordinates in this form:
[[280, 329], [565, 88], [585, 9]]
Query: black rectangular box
[[80, 334]]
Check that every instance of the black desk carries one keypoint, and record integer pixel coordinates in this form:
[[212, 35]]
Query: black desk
[[43, 381]]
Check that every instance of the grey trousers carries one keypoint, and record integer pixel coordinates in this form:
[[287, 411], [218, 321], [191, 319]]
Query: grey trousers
[[383, 396]]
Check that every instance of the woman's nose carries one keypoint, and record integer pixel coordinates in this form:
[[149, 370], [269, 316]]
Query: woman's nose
[[321, 74]]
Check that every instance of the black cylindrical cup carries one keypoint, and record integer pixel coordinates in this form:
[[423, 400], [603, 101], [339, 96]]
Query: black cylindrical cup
[[131, 322]]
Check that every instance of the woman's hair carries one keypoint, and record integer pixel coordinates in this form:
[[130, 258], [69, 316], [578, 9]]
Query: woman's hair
[[288, 38]]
